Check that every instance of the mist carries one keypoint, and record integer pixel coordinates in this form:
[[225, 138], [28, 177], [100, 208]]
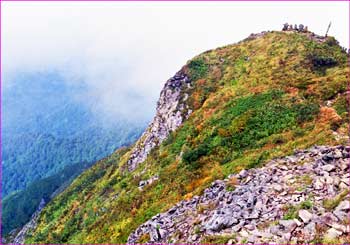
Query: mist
[[123, 52]]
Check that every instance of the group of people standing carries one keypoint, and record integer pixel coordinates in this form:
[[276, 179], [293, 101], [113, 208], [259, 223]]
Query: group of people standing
[[300, 28]]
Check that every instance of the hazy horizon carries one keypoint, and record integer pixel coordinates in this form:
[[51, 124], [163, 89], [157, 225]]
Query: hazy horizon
[[123, 52]]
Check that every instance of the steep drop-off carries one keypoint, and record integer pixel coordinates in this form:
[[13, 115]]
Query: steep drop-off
[[233, 108]]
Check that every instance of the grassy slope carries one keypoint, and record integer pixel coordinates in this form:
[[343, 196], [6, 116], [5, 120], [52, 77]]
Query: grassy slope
[[18, 208], [255, 100]]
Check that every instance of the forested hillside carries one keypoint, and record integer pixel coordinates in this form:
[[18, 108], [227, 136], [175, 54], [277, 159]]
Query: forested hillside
[[45, 128], [31, 156], [17, 208], [48, 136]]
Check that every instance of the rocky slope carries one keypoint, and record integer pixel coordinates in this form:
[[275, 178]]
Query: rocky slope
[[20, 237], [241, 106], [171, 112], [290, 200]]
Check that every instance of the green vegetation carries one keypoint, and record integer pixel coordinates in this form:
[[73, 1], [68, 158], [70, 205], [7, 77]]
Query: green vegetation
[[274, 106], [35, 164], [332, 203], [292, 211], [198, 68], [19, 207], [342, 105], [144, 239], [29, 157], [306, 204], [325, 55], [217, 239], [45, 128]]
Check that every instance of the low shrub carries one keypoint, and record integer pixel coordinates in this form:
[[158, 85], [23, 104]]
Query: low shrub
[[198, 68]]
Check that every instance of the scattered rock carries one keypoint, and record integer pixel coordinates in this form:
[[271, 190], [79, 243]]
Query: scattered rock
[[339, 227], [333, 233], [344, 205], [219, 222], [242, 174], [195, 237], [278, 188], [305, 215], [297, 222], [288, 225], [309, 231], [259, 200], [337, 154], [318, 185], [144, 183], [343, 186], [342, 210], [327, 219], [341, 215], [238, 227], [230, 242], [328, 167]]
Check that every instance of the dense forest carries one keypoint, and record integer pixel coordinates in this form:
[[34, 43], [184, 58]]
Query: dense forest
[[49, 136], [45, 128], [32, 156], [18, 207]]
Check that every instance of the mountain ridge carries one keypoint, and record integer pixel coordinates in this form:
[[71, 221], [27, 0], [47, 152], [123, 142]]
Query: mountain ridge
[[251, 102]]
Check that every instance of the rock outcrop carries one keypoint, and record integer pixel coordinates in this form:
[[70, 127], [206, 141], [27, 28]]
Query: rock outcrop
[[20, 237], [289, 200], [144, 183], [171, 112]]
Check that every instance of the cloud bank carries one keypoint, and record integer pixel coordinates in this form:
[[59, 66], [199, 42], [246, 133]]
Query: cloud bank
[[123, 52]]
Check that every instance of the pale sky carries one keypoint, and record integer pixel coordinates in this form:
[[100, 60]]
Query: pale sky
[[125, 51]]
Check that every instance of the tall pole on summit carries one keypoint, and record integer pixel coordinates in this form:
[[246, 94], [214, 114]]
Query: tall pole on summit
[[329, 26]]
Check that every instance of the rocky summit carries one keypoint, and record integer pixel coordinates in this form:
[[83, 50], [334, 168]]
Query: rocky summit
[[290, 200], [249, 144]]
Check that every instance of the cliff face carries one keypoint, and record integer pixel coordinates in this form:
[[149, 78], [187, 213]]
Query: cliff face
[[171, 111], [238, 107]]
